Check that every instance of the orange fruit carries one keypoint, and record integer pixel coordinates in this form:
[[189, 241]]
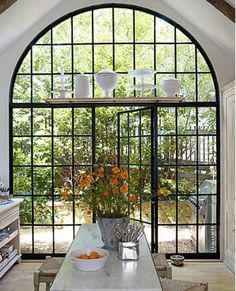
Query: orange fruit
[[93, 255], [83, 257]]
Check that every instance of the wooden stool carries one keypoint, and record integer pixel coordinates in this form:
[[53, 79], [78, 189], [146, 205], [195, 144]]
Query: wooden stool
[[47, 272], [164, 270], [179, 285]]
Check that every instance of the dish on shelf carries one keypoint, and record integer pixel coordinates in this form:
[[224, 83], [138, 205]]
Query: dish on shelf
[[142, 73]]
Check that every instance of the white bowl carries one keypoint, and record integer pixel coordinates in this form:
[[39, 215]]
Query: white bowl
[[89, 264], [107, 80]]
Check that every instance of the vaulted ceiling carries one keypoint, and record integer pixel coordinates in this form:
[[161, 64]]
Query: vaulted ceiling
[[209, 26]]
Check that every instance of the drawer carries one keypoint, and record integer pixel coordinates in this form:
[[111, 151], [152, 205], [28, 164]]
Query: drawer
[[9, 217]]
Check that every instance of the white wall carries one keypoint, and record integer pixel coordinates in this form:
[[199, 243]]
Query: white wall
[[220, 53]]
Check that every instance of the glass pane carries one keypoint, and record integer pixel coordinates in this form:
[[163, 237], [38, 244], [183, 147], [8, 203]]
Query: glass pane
[[144, 27], [45, 39], [62, 58], [21, 121], [62, 32], [103, 25], [123, 58], [187, 180], [166, 120], [181, 37], [43, 239], [146, 211], [26, 239], [145, 122], [187, 120], [63, 237], [167, 211], [103, 57], [63, 210], [187, 87], [167, 182], [124, 149], [42, 180], [144, 56], [82, 27], [207, 208], [124, 124], [166, 239], [42, 150], [63, 182], [83, 150], [207, 149], [166, 150], [134, 124], [26, 211], [42, 210], [21, 151], [21, 180], [145, 180], [206, 88], [41, 59], [62, 121], [82, 121], [83, 59], [185, 58], [25, 65], [164, 31], [165, 58], [207, 176], [83, 214], [186, 239], [187, 150], [123, 25], [22, 89], [41, 88], [42, 121], [207, 120], [62, 150], [207, 238], [201, 63], [187, 211], [134, 150], [124, 88], [146, 151], [57, 84]]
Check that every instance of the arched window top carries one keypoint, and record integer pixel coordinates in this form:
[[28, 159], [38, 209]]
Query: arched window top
[[120, 38]]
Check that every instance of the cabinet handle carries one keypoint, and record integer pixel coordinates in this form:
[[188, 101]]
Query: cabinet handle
[[234, 230]]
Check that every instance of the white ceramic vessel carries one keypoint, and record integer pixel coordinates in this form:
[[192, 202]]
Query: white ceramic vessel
[[107, 80], [82, 86], [89, 264], [171, 86]]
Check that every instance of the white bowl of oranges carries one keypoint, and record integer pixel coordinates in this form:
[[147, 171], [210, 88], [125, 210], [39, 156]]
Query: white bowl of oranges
[[89, 259]]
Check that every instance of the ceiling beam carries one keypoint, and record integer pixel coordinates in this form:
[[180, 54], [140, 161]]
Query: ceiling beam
[[5, 4], [224, 8]]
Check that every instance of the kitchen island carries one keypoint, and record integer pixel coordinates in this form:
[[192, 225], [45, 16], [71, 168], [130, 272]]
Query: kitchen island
[[116, 275]]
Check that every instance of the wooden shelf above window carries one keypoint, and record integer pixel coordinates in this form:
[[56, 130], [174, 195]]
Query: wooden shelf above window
[[107, 101]]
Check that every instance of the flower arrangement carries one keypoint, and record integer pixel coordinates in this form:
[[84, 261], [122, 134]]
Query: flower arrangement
[[109, 192]]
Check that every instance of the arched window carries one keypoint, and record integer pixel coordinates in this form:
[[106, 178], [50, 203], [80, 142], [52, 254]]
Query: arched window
[[50, 145]]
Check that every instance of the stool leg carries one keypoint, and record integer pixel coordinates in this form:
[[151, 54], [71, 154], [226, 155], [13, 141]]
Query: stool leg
[[36, 281], [48, 286]]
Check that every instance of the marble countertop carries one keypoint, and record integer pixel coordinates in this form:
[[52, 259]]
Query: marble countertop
[[116, 275], [10, 204]]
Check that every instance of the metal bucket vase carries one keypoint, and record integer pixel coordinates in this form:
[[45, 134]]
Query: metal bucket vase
[[106, 226]]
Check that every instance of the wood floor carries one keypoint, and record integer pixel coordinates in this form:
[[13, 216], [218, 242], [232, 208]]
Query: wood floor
[[216, 274]]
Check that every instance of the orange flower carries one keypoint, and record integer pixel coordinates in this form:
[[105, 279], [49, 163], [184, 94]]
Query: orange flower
[[124, 188], [105, 193], [101, 172], [85, 182], [116, 170], [124, 175], [113, 182], [65, 194], [133, 198]]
